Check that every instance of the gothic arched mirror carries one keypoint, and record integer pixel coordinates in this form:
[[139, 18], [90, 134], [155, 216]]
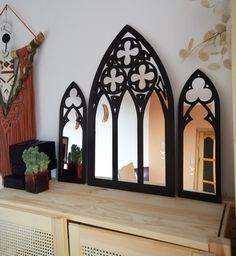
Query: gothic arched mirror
[[131, 120], [199, 140], [72, 136]]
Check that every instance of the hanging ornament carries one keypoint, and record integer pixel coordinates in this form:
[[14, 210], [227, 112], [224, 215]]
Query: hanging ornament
[[6, 31]]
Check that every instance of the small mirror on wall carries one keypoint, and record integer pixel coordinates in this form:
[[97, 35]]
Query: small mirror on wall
[[199, 140], [72, 134]]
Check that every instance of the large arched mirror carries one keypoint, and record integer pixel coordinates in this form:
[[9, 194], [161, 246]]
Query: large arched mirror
[[72, 136], [131, 120], [199, 140]]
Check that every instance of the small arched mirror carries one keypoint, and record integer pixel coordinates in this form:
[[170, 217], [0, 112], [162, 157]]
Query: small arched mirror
[[131, 132], [199, 140], [72, 136]]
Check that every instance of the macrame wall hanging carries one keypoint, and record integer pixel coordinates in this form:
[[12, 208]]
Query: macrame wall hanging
[[17, 111]]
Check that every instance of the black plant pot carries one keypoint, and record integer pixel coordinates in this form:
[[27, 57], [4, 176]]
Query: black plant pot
[[36, 182]]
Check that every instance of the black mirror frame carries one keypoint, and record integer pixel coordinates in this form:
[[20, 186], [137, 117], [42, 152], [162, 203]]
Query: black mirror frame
[[183, 120], [62, 122], [97, 91]]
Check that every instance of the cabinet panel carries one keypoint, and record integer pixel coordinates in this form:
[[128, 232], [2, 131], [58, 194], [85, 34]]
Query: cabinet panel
[[90, 241], [23, 234]]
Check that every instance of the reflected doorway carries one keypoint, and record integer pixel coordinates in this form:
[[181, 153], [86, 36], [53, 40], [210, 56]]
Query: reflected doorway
[[205, 178]]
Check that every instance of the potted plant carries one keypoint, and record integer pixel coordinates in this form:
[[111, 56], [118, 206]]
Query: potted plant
[[36, 174], [75, 160]]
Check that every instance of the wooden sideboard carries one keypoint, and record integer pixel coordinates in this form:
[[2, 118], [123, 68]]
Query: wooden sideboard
[[72, 219]]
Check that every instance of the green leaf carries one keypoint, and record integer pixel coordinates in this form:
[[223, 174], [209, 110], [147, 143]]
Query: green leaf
[[218, 11], [213, 66], [183, 53], [227, 63], [220, 27], [215, 53], [223, 50], [190, 44], [203, 56], [225, 18], [209, 35], [35, 161], [222, 38], [205, 3]]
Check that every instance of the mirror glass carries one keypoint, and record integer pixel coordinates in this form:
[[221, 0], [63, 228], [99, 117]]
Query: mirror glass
[[127, 141], [103, 143], [72, 136], [133, 149], [154, 142], [199, 122], [199, 153]]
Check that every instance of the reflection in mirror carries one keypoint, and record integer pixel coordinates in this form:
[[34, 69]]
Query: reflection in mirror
[[134, 148], [72, 130], [154, 142], [127, 134], [199, 139]]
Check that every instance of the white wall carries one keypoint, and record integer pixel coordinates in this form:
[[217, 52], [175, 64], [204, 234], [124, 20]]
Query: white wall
[[78, 33]]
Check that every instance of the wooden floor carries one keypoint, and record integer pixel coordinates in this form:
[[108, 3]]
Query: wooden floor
[[175, 220]]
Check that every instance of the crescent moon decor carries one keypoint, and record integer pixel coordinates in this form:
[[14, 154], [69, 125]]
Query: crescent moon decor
[[105, 113]]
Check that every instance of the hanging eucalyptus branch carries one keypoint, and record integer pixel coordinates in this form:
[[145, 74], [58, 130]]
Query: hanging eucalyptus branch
[[216, 42]]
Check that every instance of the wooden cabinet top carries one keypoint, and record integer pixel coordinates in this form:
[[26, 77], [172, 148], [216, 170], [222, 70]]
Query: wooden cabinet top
[[174, 220]]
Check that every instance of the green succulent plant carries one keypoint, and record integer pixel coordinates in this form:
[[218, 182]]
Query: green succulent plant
[[34, 160], [75, 155]]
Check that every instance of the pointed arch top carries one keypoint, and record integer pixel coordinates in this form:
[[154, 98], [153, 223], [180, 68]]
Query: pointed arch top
[[130, 63], [199, 89]]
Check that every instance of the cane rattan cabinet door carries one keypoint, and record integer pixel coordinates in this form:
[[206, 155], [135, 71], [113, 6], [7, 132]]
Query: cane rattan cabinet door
[[91, 241], [23, 234]]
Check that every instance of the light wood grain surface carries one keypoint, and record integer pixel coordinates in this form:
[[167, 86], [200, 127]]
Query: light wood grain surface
[[179, 221]]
